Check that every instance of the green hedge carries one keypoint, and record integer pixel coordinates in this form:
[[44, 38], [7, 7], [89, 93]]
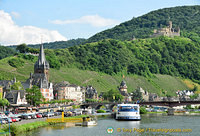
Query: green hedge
[[101, 111]]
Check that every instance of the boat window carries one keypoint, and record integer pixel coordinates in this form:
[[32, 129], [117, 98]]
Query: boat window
[[128, 108]]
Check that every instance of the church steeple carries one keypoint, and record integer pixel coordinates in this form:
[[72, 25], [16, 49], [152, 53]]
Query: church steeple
[[41, 57], [41, 66]]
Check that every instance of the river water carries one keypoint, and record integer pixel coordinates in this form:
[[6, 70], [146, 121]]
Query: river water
[[150, 125]]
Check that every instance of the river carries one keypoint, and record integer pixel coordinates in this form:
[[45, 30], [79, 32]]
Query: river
[[146, 127]]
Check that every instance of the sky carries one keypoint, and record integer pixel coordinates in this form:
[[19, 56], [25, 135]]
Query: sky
[[36, 21]]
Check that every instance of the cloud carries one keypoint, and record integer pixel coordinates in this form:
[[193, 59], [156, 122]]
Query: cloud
[[12, 34], [15, 14], [94, 20]]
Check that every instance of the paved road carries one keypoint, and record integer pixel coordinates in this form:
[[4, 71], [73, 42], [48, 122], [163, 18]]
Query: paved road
[[33, 120]]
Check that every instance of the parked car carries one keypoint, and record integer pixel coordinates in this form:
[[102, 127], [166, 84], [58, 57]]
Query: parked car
[[26, 116], [56, 113], [68, 113], [78, 111], [13, 119], [18, 119], [39, 115], [8, 120], [33, 115], [48, 114], [2, 121]]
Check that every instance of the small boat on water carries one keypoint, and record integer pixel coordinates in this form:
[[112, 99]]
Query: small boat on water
[[87, 121], [128, 112]]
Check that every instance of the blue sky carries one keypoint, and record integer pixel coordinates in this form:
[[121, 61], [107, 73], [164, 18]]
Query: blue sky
[[26, 21]]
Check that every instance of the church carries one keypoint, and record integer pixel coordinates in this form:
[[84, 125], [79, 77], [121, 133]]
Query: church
[[40, 77]]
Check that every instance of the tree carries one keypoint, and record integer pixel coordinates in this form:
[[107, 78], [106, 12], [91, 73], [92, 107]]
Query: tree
[[34, 96], [113, 95], [22, 48], [17, 86], [4, 102], [136, 95]]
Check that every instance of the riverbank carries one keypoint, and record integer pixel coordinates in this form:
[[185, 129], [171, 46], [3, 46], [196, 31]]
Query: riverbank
[[16, 129]]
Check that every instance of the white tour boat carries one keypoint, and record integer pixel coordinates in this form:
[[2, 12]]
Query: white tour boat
[[128, 112]]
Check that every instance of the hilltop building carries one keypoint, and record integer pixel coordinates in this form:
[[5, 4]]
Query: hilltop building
[[168, 31], [123, 90], [40, 77]]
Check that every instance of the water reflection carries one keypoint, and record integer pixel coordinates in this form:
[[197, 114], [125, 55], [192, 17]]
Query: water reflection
[[127, 127]]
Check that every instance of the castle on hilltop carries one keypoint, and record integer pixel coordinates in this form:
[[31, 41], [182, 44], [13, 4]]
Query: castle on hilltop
[[168, 31]]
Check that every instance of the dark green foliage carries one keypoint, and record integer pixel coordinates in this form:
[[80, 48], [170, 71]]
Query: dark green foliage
[[162, 55], [60, 44], [188, 107], [16, 62], [6, 52], [195, 96], [113, 95], [4, 102], [108, 56], [27, 57], [34, 95], [185, 17], [17, 86], [136, 95], [143, 110], [101, 111], [22, 48], [54, 63]]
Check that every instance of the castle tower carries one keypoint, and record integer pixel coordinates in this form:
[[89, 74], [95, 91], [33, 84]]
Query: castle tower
[[42, 66], [170, 25]]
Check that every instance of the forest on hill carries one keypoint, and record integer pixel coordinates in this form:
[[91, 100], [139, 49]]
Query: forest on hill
[[56, 45], [185, 17], [6, 52], [176, 56]]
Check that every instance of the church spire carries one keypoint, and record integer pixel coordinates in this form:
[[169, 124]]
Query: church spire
[[41, 57], [41, 63]]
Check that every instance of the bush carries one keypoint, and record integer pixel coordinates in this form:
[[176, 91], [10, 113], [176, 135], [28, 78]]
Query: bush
[[16, 62], [143, 110], [101, 111]]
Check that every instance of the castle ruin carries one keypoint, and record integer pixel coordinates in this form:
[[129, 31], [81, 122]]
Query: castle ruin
[[168, 31]]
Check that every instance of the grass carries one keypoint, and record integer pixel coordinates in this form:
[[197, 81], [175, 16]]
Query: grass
[[79, 116], [100, 81], [194, 112], [19, 129], [156, 112]]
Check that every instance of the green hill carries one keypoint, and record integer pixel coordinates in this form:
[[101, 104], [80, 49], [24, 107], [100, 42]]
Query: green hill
[[185, 17], [162, 55], [57, 44], [102, 82], [6, 52]]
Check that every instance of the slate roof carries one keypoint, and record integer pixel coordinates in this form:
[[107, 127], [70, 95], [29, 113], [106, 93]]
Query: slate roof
[[6, 83], [11, 96], [41, 62], [123, 83]]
